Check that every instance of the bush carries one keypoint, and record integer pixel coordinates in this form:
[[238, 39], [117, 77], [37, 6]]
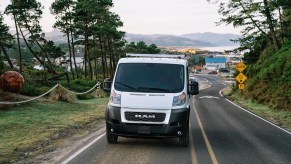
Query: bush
[[34, 90], [269, 80], [60, 93]]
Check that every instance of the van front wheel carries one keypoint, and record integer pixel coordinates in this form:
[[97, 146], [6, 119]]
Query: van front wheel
[[184, 139], [111, 138]]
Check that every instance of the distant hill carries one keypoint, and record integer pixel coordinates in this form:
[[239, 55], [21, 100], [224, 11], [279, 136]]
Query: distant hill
[[213, 38], [167, 40], [206, 39], [56, 36]]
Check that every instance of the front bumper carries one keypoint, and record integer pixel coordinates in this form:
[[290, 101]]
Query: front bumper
[[178, 122]]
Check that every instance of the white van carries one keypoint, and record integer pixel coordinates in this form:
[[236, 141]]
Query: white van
[[149, 97]]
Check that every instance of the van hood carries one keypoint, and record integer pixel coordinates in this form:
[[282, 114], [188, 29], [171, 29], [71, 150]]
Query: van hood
[[147, 100]]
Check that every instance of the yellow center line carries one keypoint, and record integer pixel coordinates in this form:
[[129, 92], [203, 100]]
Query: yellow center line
[[193, 151], [209, 148]]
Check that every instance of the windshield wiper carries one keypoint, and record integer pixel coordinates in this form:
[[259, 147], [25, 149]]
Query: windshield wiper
[[130, 87], [148, 89]]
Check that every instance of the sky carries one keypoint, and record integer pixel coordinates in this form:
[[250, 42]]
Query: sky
[[175, 17]]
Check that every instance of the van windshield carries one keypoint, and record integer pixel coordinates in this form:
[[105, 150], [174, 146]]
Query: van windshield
[[149, 77]]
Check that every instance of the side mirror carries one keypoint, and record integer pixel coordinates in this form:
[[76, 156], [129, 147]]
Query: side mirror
[[107, 84], [193, 87]]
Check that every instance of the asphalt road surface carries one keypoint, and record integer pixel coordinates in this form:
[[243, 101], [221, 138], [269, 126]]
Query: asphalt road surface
[[220, 132]]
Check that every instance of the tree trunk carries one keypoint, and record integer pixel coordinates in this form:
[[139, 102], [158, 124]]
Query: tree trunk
[[18, 44], [105, 57], [281, 26], [96, 58], [111, 58], [102, 57], [85, 51], [6, 55], [70, 52], [74, 56], [270, 24]]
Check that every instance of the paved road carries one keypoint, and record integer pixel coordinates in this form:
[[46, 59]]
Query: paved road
[[220, 132]]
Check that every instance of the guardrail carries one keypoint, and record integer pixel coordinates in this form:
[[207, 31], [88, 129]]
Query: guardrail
[[57, 85]]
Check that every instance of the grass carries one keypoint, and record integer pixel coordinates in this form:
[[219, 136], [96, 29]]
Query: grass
[[281, 118], [25, 129]]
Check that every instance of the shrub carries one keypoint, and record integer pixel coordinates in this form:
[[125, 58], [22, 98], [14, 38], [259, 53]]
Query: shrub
[[60, 93], [269, 80]]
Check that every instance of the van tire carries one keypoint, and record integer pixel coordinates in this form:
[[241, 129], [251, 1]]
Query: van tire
[[111, 138], [184, 139]]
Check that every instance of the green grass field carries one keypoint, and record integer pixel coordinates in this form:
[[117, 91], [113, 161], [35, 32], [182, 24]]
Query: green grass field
[[25, 129]]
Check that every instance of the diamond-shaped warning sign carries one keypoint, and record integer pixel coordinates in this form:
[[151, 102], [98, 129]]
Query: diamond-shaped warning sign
[[240, 66], [241, 78]]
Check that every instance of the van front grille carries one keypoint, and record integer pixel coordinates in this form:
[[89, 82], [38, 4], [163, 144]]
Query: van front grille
[[145, 116]]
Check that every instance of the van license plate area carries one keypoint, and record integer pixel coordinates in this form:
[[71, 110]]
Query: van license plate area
[[144, 129]]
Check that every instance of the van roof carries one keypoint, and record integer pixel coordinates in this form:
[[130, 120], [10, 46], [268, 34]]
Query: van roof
[[157, 55], [153, 60]]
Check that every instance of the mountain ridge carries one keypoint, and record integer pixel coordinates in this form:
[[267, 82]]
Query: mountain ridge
[[205, 39]]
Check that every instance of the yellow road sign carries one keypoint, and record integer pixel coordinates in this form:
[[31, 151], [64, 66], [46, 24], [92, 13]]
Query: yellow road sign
[[241, 78], [241, 86], [240, 66]]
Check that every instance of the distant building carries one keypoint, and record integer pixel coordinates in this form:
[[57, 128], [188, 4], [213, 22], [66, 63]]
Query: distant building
[[65, 60], [197, 69], [215, 63]]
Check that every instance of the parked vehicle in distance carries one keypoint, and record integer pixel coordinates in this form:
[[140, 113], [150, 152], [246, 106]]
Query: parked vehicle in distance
[[191, 76], [212, 73], [149, 97], [223, 72]]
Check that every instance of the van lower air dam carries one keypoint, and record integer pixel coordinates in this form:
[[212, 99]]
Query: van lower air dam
[[149, 97]]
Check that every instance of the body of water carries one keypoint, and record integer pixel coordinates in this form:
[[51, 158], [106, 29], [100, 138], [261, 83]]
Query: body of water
[[223, 48]]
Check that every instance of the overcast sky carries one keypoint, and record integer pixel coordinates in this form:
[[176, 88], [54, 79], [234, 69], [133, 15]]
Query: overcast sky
[[154, 16]]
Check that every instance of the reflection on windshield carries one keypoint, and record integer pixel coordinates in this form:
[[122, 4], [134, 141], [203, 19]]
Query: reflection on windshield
[[149, 77]]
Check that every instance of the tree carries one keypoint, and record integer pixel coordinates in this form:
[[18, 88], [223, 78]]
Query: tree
[[141, 48], [96, 28], [258, 18], [153, 49], [63, 11], [53, 51], [27, 15], [6, 40]]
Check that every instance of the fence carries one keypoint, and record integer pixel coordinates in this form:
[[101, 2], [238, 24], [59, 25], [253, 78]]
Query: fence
[[57, 85]]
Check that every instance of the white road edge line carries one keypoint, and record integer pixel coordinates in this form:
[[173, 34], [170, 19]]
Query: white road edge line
[[220, 92], [254, 114], [82, 149]]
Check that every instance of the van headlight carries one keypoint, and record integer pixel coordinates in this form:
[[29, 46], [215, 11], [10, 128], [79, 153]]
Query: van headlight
[[115, 98], [179, 100]]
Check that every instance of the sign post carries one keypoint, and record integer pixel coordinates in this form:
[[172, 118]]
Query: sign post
[[240, 78]]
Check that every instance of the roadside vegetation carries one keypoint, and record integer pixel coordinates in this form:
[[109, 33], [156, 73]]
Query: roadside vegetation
[[27, 130], [266, 44]]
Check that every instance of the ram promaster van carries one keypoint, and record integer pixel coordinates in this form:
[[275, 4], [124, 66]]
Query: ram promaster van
[[149, 97]]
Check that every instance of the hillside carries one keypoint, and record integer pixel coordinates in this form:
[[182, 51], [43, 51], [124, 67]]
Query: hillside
[[213, 38], [270, 78], [167, 40], [207, 39], [56, 36]]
